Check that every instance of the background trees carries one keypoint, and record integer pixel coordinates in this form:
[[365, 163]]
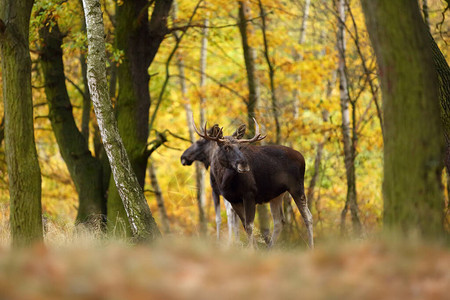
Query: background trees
[[294, 62]]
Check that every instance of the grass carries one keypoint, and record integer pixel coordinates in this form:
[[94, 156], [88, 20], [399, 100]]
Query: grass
[[77, 264]]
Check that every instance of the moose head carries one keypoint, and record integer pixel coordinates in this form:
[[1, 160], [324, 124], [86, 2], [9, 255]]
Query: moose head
[[229, 152]]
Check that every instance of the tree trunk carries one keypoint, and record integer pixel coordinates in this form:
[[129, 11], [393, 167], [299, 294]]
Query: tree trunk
[[413, 141], [317, 161], [84, 169], [20, 149], [143, 226], [253, 99], [443, 71], [349, 141], [298, 57], [199, 170], [159, 198], [273, 96], [86, 113], [139, 39]]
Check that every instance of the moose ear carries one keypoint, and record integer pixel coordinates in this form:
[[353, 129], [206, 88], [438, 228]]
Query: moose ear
[[239, 133], [215, 131]]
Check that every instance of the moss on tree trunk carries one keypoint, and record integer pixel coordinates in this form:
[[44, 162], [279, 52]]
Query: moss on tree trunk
[[413, 140]]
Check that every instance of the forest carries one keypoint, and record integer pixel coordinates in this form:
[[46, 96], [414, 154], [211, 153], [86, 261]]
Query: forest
[[127, 124]]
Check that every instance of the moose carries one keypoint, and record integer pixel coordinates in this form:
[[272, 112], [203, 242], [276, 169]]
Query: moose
[[247, 175], [202, 151]]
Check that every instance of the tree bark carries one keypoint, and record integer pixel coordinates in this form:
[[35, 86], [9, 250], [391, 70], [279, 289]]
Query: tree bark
[[349, 140], [443, 71], [253, 99], [139, 39], [85, 170], [413, 144], [86, 113], [143, 226], [20, 149]]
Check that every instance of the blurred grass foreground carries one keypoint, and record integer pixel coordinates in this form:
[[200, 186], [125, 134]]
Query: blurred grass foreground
[[76, 265]]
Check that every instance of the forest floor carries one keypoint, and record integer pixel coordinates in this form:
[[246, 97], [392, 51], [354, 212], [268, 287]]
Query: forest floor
[[177, 268]]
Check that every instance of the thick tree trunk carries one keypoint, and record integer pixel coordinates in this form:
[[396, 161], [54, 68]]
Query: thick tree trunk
[[139, 39], [84, 169], [20, 149], [253, 99], [349, 141], [413, 144], [443, 71], [143, 226]]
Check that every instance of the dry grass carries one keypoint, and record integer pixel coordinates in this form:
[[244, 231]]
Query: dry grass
[[79, 265]]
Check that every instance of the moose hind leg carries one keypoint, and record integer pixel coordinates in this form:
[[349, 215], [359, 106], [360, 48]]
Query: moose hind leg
[[302, 205]]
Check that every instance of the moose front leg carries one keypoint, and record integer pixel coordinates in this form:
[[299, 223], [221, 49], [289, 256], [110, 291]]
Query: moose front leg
[[216, 198], [249, 216]]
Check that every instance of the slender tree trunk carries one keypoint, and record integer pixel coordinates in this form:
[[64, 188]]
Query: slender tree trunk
[[273, 96], [253, 99], [302, 38], [159, 198], [84, 169], [298, 57], [413, 144], [203, 55], [20, 149], [349, 139], [199, 170], [140, 218], [139, 39], [317, 161]]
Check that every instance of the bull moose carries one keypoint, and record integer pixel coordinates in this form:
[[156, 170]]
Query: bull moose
[[247, 175], [202, 151]]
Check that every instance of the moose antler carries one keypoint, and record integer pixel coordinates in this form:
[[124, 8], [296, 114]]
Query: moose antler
[[257, 136], [205, 134]]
